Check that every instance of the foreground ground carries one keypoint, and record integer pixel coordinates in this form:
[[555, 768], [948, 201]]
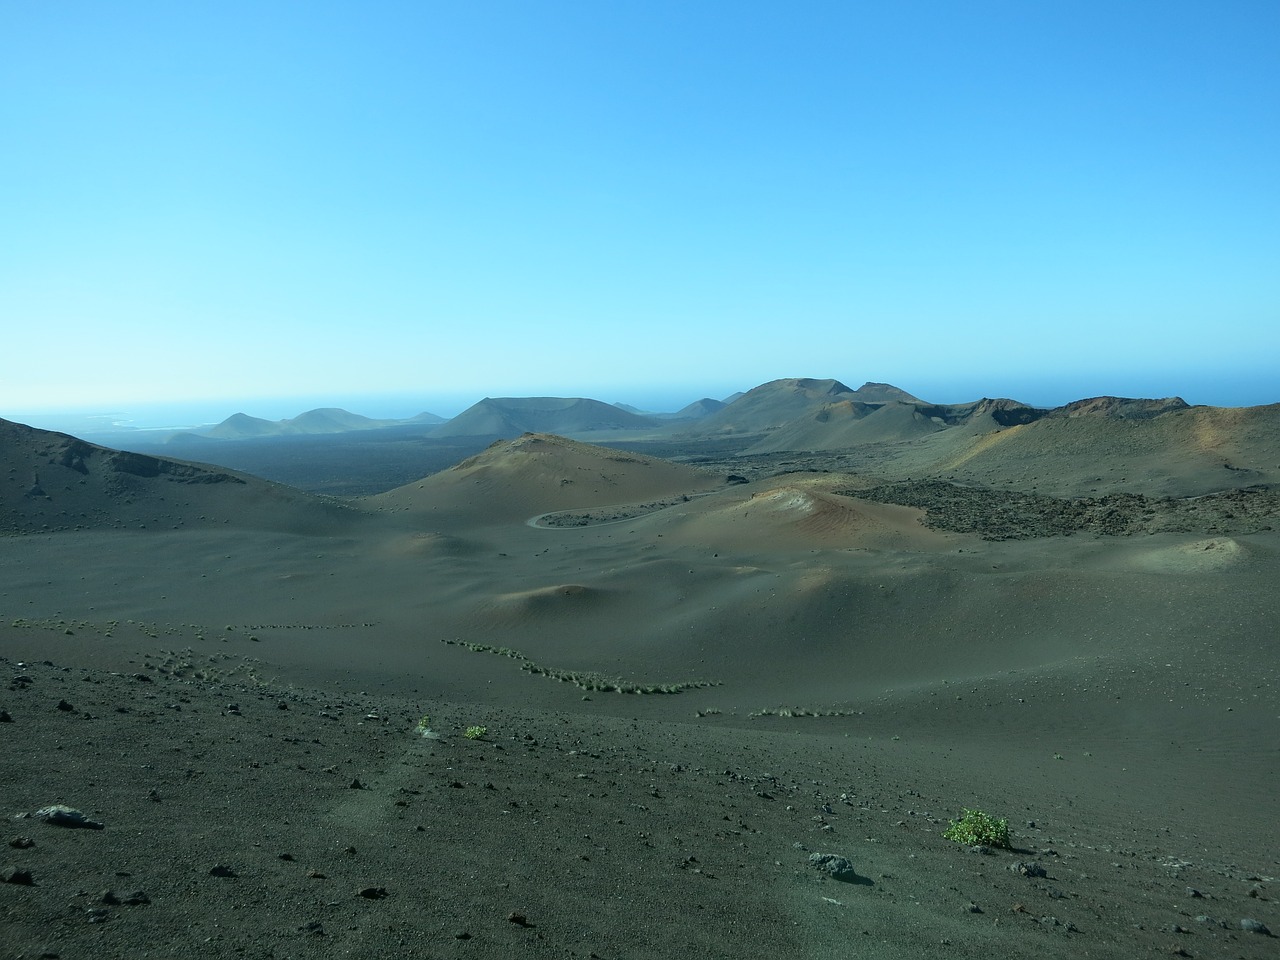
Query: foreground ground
[[687, 687]]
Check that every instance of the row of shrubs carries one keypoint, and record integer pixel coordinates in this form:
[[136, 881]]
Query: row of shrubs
[[584, 680]]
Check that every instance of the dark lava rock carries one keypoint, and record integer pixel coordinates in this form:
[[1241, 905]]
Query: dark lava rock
[[58, 815], [1028, 869], [837, 867], [1249, 925], [373, 893], [18, 875]]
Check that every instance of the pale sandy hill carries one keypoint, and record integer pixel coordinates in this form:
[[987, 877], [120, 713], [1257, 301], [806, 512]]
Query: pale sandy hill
[[770, 406], [512, 416], [1092, 448], [537, 473], [848, 423], [53, 481]]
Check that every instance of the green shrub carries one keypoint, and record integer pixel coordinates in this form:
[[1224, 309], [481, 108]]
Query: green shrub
[[475, 733], [975, 828]]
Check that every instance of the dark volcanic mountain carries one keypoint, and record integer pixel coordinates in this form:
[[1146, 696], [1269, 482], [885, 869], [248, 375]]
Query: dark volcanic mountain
[[58, 482], [513, 416]]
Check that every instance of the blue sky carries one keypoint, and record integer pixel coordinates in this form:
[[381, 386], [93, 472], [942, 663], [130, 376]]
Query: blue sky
[[257, 205]]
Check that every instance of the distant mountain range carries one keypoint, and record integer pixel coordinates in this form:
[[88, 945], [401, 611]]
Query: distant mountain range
[[324, 420], [793, 414]]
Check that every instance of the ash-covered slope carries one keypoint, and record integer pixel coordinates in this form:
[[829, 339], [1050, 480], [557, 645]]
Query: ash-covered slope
[[53, 481]]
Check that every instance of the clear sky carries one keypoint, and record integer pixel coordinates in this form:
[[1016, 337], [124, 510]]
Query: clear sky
[[259, 204]]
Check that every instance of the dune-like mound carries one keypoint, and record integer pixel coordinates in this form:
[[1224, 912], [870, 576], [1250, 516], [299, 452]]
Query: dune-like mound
[[1211, 555], [521, 607], [428, 546], [54, 481], [540, 473], [798, 513]]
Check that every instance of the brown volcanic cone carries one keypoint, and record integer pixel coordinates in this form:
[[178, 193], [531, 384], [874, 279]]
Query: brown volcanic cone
[[537, 473]]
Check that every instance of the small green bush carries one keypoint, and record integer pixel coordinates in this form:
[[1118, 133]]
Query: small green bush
[[475, 733], [975, 828]]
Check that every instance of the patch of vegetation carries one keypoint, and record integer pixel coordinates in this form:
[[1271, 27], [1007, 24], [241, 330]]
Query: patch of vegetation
[[476, 733], [978, 829], [802, 712]]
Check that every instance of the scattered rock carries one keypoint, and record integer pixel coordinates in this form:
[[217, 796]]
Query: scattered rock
[[373, 893], [221, 870], [285, 856], [519, 919], [1249, 925], [972, 908], [1194, 894], [837, 867], [355, 784], [315, 928], [22, 843], [4, 717], [18, 875], [1028, 869], [59, 816], [65, 707]]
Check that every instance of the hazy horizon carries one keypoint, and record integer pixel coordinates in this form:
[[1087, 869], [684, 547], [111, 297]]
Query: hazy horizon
[[162, 416]]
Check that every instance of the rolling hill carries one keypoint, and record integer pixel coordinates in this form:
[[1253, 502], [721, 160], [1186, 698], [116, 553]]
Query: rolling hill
[[567, 416]]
